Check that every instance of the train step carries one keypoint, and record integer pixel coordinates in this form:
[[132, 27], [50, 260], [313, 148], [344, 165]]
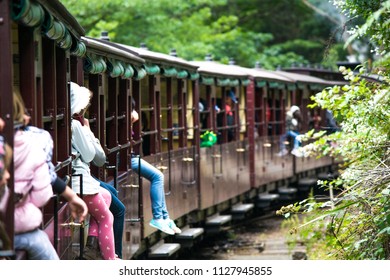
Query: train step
[[189, 236], [265, 200], [327, 176], [240, 211], [287, 193], [305, 184], [214, 224], [164, 250]]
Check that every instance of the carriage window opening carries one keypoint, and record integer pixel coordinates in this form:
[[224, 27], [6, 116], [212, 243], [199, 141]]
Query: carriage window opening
[[165, 112], [204, 111], [276, 118], [190, 111], [176, 109], [242, 111], [226, 117], [111, 98], [260, 112]]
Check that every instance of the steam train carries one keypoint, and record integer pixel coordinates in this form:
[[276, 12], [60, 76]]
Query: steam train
[[43, 48]]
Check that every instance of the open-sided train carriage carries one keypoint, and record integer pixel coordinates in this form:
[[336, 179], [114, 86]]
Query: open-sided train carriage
[[299, 93], [269, 102], [224, 174], [166, 136], [40, 40]]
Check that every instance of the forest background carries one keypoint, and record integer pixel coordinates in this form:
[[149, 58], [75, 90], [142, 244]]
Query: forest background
[[274, 33]]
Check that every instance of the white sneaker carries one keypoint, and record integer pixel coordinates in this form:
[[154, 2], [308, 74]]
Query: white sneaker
[[162, 225], [173, 226], [300, 137], [297, 153], [282, 153]]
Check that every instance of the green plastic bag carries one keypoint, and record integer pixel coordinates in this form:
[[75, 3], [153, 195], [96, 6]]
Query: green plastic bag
[[208, 139]]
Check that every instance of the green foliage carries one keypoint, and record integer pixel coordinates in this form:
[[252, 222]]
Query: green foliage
[[375, 26], [356, 224], [242, 30], [359, 223], [311, 50], [332, 56], [273, 57]]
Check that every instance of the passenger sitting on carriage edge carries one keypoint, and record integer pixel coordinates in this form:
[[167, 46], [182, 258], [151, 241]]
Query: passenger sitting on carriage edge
[[117, 208], [32, 190], [77, 206], [293, 123], [161, 218], [85, 147], [43, 139]]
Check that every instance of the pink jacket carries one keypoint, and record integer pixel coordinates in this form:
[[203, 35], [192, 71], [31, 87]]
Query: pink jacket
[[32, 181]]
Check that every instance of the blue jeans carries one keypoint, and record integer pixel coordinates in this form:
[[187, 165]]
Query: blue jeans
[[156, 178], [293, 135], [37, 245], [117, 209]]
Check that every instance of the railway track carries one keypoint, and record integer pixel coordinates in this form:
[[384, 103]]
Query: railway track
[[257, 238]]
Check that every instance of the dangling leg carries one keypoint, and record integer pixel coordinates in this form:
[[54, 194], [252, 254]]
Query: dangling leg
[[98, 207], [156, 179], [118, 209], [157, 195]]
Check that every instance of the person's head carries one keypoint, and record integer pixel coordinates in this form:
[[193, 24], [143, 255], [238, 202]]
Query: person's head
[[20, 112], [79, 99], [230, 98], [5, 161], [294, 108], [296, 112]]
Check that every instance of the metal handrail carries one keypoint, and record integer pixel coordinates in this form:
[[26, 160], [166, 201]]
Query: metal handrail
[[172, 129], [62, 164], [108, 119], [150, 132]]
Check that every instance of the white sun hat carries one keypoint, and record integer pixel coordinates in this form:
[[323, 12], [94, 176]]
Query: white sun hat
[[79, 98]]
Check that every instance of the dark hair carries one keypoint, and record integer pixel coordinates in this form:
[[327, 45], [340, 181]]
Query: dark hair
[[298, 115], [132, 103]]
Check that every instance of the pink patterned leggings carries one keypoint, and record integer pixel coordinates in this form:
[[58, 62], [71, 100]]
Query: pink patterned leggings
[[101, 222]]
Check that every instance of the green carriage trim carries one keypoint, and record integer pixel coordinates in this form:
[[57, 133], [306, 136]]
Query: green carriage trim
[[94, 64]]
